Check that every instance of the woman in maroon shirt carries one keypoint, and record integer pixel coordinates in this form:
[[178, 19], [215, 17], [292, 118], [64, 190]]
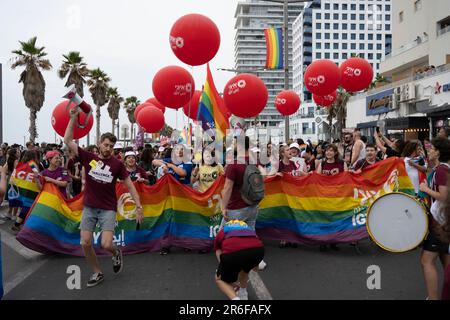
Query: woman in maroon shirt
[[332, 164], [286, 165]]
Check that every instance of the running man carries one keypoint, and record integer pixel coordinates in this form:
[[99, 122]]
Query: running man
[[100, 200]]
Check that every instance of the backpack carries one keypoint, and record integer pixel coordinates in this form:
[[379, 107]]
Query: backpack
[[252, 191]]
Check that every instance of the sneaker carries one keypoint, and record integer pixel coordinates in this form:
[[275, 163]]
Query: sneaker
[[203, 251], [242, 294], [118, 262], [6, 216], [15, 229], [96, 278], [283, 244], [262, 265], [334, 247], [164, 251]]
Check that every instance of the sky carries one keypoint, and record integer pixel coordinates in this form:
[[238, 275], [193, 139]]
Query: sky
[[129, 40]]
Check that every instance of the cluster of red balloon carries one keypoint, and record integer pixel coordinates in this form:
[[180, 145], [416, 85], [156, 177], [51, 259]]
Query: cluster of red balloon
[[61, 117], [323, 77]]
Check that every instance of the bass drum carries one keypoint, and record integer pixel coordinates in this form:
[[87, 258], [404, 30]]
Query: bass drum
[[397, 222]]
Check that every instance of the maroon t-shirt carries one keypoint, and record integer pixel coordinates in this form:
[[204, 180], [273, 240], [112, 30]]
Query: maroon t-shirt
[[332, 169], [287, 168], [59, 174], [137, 174], [101, 177], [235, 172], [311, 165], [440, 177], [233, 244]]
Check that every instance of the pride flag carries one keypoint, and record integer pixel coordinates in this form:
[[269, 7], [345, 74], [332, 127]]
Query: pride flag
[[324, 210], [212, 111], [311, 210], [23, 178], [274, 43]]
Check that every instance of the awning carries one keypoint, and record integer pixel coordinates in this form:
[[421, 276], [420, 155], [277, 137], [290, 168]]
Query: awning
[[424, 107], [367, 125], [407, 123]]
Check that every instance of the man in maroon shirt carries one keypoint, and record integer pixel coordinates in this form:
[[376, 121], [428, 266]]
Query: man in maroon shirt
[[100, 200]]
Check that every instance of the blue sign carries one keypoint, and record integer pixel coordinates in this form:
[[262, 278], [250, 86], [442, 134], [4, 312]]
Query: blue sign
[[379, 103]]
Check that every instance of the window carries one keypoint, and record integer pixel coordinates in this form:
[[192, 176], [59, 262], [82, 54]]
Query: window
[[336, 36], [327, 55], [335, 26], [370, 56], [344, 16], [336, 16], [361, 26], [379, 46], [344, 6], [370, 46], [327, 26], [388, 27], [335, 56], [344, 46], [379, 36], [362, 55], [361, 46], [318, 26], [344, 56], [370, 36], [344, 36], [327, 16], [387, 7], [362, 7], [327, 6], [313, 126], [327, 46], [318, 55], [400, 16], [318, 45], [335, 45], [388, 17], [353, 17], [318, 15], [417, 5], [378, 56], [353, 46], [361, 36], [336, 6], [353, 36], [353, 7], [362, 17], [353, 26], [319, 36], [344, 26], [327, 36]]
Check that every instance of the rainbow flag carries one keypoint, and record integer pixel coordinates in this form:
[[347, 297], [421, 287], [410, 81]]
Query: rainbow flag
[[322, 210], [212, 110], [23, 178], [311, 210], [274, 43], [175, 215]]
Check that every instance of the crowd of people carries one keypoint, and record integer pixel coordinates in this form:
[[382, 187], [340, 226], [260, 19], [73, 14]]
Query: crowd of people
[[73, 169]]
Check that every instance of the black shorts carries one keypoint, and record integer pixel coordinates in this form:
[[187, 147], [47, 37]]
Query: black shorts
[[433, 243], [231, 264]]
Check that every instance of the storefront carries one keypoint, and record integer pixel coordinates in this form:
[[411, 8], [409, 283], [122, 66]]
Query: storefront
[[411, 128]]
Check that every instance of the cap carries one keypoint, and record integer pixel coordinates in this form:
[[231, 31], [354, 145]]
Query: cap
[[130, 153], [118, 145], [294, 145], [51, 154]]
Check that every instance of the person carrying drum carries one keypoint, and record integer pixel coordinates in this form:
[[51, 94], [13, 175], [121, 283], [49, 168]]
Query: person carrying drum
[[433, 246]]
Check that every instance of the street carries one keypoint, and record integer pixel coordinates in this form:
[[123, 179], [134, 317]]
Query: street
[[302, 273]]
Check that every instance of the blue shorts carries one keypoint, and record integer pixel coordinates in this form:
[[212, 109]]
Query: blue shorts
[[105, 218]]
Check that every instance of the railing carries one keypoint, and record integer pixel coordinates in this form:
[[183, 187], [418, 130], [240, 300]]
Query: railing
[[443, 31], [406, 47]]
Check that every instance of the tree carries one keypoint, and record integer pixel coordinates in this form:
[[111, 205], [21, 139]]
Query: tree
[[378, 80], [77, 70], [98, 87], [130, 105], [115, 100], [339, 111], [32, 58]]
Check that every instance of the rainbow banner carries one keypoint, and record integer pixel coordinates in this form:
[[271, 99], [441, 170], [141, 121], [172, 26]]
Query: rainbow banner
[[310, 210], [274, 43], [327, 210], [23, 178], [212, 110]]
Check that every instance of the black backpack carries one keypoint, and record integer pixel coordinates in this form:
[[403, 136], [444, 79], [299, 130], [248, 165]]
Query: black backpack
[[252, 191]]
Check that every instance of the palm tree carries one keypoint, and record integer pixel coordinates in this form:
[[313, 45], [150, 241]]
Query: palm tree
[[166, 131], [379, 79], [115, 101], [339, 111], [98, 87], [77, 70], [32, 58], [130, 105]]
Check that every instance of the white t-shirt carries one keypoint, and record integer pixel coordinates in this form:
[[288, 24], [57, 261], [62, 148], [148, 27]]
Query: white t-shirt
[[300, 164], [413, 174]]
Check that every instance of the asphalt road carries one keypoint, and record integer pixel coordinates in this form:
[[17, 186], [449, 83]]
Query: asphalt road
[[303, 273]]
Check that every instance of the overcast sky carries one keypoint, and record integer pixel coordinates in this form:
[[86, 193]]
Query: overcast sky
[[126, 39]]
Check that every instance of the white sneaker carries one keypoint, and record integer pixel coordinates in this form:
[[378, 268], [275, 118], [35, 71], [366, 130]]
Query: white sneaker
[[242, 294], [262, 266]]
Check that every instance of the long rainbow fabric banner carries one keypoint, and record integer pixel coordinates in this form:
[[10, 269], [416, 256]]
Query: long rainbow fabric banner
[[274, 44], [310, 210], [23, 178]]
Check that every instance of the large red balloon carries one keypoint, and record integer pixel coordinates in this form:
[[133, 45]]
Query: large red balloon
[[245, 95], [157, 104], [61, 118], [151, 119], [356, 74], [173, 86], [325, 101], [195, 39], [287, 102], [191, 108], [322, 77], [140, 107]]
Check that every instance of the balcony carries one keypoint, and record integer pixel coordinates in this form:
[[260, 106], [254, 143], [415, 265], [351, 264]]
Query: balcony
[[308, 31], [443, 31], [307, 20], [307, 41]]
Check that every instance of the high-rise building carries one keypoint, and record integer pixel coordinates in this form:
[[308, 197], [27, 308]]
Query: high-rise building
[[252, 17], [338, 29]]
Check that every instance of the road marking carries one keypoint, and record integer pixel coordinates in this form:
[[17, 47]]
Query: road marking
[[15, 245], [22, 275], [260, 288]]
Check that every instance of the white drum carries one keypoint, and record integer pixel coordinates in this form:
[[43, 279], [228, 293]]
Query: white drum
[[397, 222]]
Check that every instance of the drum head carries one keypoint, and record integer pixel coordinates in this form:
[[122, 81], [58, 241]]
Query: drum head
[[397, 222]]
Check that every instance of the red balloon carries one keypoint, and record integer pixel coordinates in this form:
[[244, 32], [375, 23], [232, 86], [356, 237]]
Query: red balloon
[[325, 101], [157, 104], [151, 119], [245, 95], [356, 74], [140, 107], [322, 77], [287, 102], [61, 118], [195, 39], [173, 86], [191, 108]]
